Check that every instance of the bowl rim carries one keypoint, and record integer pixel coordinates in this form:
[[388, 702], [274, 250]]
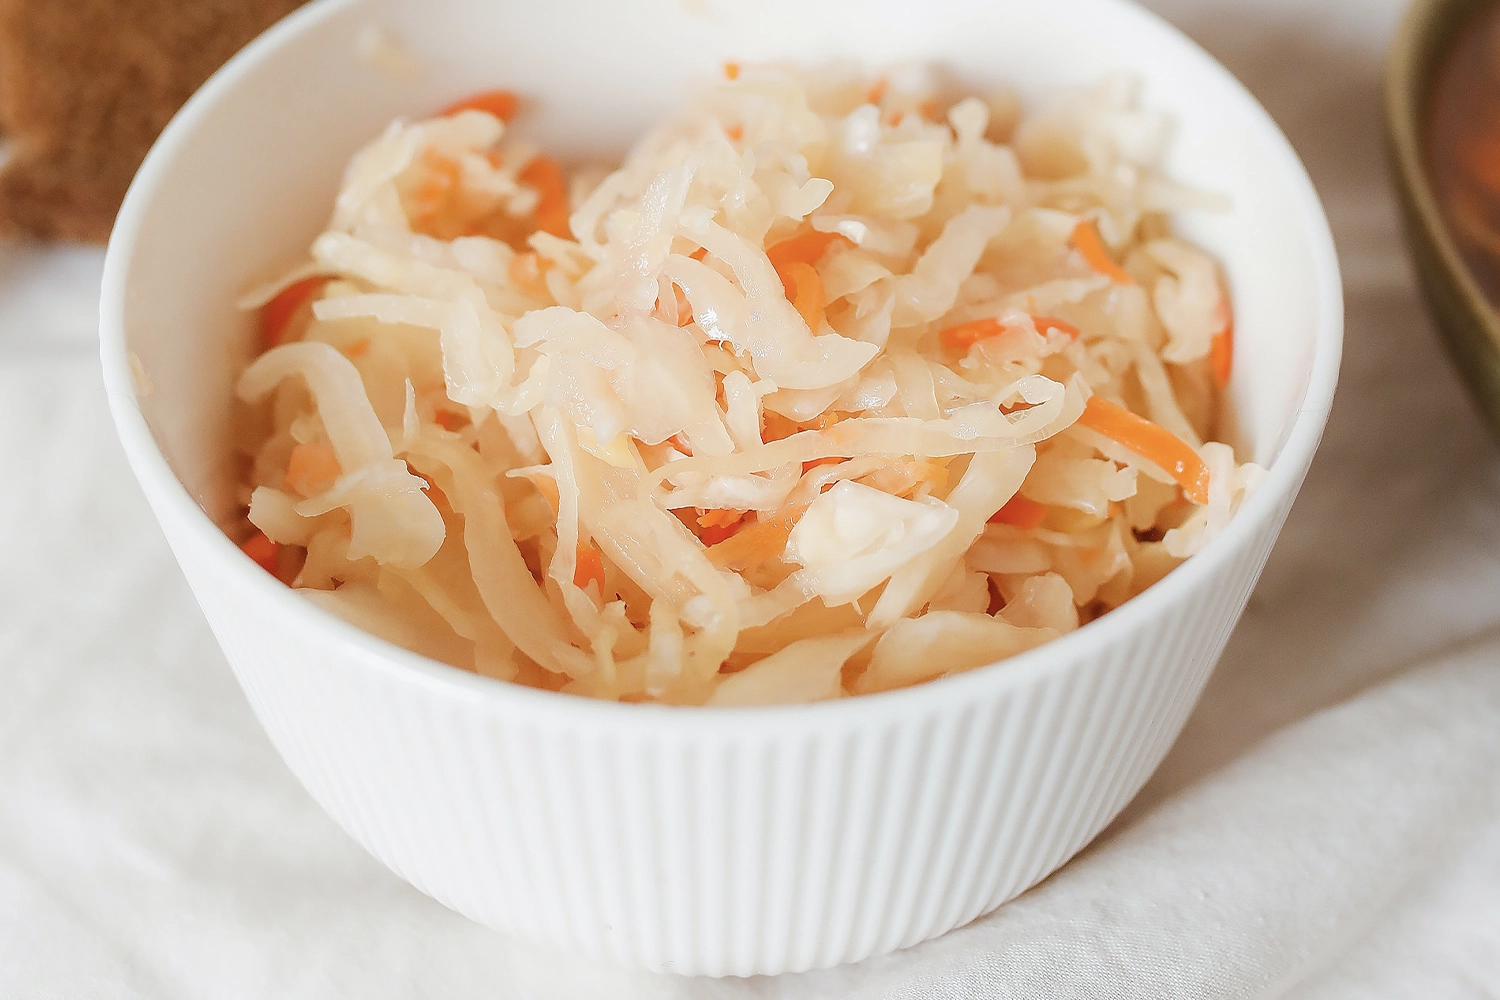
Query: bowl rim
[[191, 525]]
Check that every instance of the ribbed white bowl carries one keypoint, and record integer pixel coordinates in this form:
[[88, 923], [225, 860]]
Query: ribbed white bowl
[[697, 841]]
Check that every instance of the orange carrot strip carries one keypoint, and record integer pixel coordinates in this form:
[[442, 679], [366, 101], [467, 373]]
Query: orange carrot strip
[[715, 535], [1152, 442], [805, 289], [719, 518], [500, 103], [1086, 241], [731, 71], [806, 247], [449, 421], [735, 132], [311, 469], [775, 427], [589, 566], [1044, 323], [546, 176], [276, 316], [754, 543], [714, 526], [966, 335], [430, 196], [684, 308], [1221, 352], [876, 93], [262, 550], [1021, 512]]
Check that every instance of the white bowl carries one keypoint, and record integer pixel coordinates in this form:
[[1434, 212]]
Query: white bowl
[[693, 840]]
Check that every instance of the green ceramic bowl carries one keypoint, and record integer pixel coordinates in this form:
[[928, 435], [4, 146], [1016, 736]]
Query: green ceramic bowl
[[1468, 322]]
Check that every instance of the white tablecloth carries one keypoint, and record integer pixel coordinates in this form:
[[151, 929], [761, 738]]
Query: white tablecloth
[[1328, 826]]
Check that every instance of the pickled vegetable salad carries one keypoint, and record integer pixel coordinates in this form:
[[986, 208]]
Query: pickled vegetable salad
[[828, 389]]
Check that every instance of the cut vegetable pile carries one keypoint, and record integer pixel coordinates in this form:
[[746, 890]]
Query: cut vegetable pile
[[831, 388]]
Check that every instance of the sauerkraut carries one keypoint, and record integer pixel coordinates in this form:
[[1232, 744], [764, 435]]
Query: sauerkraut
[[833, 386]]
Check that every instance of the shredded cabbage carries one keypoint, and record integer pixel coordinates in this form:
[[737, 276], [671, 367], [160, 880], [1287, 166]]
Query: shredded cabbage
[[819, 393]]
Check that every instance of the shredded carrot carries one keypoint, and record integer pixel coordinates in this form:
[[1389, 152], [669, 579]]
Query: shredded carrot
[[450, 421], [699, 253], [714, 526], [775, 427], [496, 158], [1044, 323], [713, 536], [876, 94], [807, 247], [754, 543], [1152, 442], [546, 176], [277, 315], [719, 518], [1221, 350], [500, 103], [358, 348], [262, 550], [731, 71], [442, 177], [1021, 512], [966, 335], [588, 566], [735, 132], [684, 307], [805, 289], [1086, 241], [929, 109], [896, 117], [311, 469]]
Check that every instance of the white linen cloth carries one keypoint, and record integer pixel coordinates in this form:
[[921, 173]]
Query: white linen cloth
[[1328, 826]]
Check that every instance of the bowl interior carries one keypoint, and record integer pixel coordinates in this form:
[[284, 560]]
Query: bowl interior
[[245, 177]]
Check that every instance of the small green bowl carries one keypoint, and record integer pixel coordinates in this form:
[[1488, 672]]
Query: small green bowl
[[1468, 322]]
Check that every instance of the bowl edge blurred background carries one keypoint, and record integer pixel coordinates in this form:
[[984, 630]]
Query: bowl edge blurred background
[[1468, 324]]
